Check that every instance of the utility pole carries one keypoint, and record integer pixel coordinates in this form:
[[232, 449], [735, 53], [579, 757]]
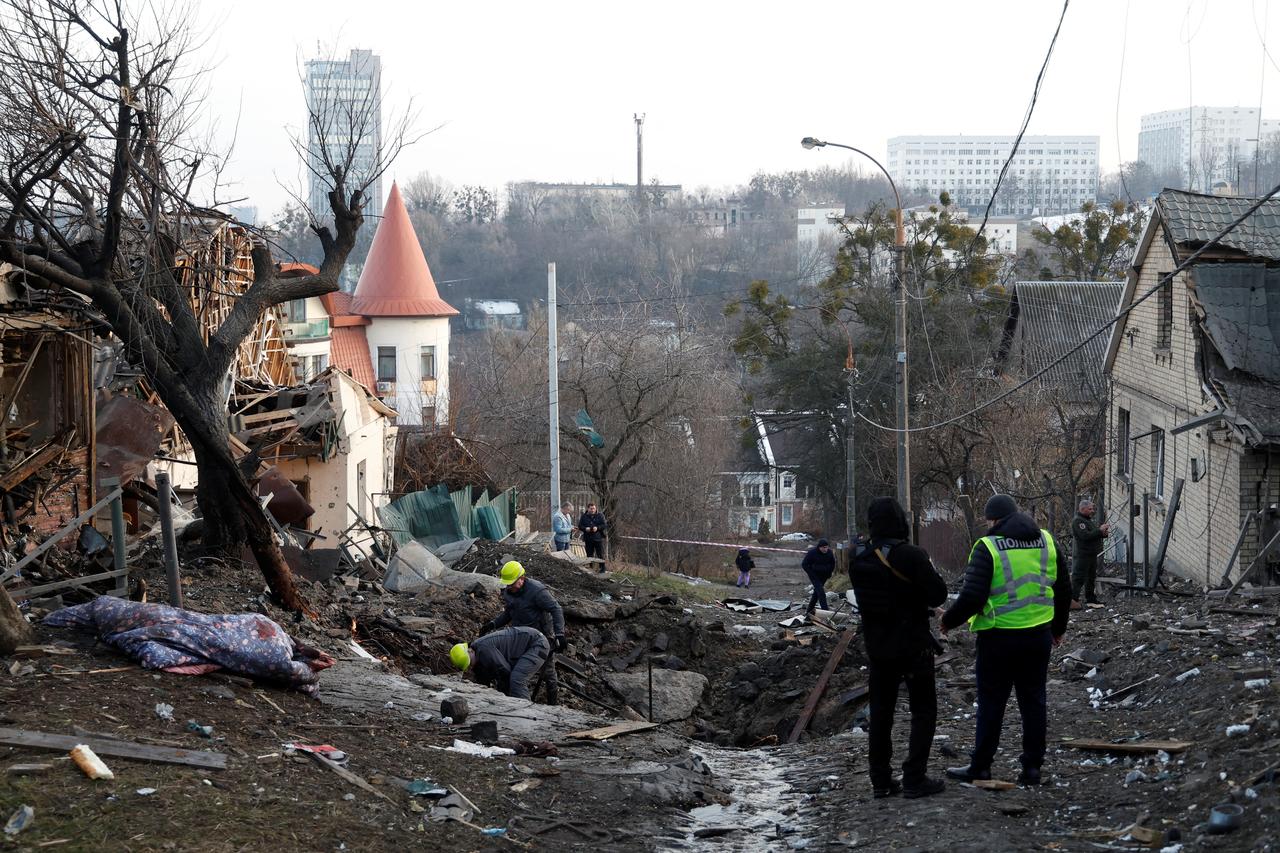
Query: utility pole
[[850, 463], [553, 388], [904, 437], [639, 120]]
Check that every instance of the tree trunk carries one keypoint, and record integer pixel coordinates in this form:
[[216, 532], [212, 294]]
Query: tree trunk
[[231, 512], [14, 630]]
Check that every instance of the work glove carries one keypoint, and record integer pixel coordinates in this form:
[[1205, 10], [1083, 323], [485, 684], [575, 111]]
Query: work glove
[[487, 627], [561, 643]]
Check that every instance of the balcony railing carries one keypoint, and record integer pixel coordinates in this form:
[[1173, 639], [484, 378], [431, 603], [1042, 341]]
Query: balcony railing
[[296, 332]]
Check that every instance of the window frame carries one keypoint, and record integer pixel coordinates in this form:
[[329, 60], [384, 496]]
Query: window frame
[[386, 353], [1124, 427], [425, 352], [1164, 315], [1158, 467]]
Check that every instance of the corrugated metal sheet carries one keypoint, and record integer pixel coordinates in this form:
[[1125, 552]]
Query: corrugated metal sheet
[[1193, 219], [1051, 317], [428, 516]]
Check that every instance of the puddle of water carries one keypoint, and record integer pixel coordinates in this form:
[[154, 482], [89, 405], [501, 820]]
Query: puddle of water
[[757, 815]]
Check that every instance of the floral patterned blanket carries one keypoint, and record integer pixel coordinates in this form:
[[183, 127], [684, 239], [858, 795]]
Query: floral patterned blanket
[[180, 641]]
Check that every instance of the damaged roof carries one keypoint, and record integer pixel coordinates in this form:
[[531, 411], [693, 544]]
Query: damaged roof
[[1048, 318], [1193, 219], [1241, 311]]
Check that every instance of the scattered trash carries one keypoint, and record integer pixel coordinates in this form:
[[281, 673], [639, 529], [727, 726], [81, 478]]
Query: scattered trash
[[332, 753], [349, 797], [1257, 683], [90, 763], [421, 717], [19, 820], [27, 769], [525, 785], [1191, 673], [1225, 818], [468, 748], [145, 792], [494, 830], [1134, 776], [1238, 730], [203, 731], [747, 630], [164, 711], [426, 788]]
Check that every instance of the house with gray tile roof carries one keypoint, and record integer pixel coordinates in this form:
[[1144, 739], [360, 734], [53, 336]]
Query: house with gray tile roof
[[1194, 370]]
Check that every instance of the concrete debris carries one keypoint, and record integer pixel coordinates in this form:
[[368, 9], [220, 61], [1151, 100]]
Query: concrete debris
[[676, 693]]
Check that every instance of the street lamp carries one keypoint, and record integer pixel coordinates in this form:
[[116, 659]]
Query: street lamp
[[900, 275]]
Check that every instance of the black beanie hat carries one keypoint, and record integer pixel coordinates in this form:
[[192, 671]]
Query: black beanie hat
[[1000, 507]]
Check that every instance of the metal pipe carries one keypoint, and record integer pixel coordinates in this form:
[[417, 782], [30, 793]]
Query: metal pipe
[[117, 534], [1146, 539], [165, 493], [553, 388]]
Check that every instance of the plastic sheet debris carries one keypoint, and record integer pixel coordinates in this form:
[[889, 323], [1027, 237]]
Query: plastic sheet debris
[[197, 728], [468, 748], [19, 820], [1257, 683], [332, 753], [164, 711], [1191, 673], [145, 792], [1238, 730], [426, 788]]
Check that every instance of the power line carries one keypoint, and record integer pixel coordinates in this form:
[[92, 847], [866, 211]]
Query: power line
[[1165, 279]]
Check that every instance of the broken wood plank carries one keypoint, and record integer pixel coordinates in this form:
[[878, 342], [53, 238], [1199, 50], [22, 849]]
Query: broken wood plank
[[69, 583], [606, 732], [993, 784], [1125, 690], [347, 776], [41, 651], [117, 748], [811, 704], [69, 527], [1135, 747], [29, 466]]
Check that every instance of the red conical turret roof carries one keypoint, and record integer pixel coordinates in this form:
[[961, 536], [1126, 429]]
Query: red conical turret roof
[[396, 281]]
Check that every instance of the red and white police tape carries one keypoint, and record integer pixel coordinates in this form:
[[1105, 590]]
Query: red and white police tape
[[711, 544]]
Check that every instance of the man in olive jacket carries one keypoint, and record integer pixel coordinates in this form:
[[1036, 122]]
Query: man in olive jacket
[[1089, 538]]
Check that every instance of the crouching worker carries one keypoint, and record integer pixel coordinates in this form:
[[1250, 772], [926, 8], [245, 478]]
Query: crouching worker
[[507, 660], [527, 603], [897, 588]]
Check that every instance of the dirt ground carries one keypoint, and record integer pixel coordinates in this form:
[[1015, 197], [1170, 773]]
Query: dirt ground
[[691, 784]]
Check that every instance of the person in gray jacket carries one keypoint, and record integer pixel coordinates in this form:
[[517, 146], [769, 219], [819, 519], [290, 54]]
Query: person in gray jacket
[[529, 604], [507, 660]]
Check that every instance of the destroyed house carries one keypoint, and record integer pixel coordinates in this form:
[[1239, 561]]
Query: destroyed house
[[1194, 422]]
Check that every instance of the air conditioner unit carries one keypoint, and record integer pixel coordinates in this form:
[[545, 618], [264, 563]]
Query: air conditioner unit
[[386, 387], [288, 331]]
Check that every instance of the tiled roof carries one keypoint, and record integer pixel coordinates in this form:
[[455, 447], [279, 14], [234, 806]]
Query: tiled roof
[[338, 304], [1242, 318], [1193, 219], [1051, 317], [349, 351], [396, 281]]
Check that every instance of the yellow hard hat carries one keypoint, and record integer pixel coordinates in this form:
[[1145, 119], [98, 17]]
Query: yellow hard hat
[[461, 656], [511, 573]]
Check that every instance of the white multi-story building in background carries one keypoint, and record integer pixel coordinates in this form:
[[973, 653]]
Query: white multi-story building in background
[[818, 237], [1050, 174], [344, 96], [1204, 144]]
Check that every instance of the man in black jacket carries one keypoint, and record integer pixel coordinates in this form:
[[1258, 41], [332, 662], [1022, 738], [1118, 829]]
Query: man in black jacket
[[507, 659], [1089, 537], [529, 604], [819, 564], [897, 588], [593, 526], [1018, 611]]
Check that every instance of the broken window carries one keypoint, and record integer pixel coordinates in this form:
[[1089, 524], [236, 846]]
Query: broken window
[[1164, 315], [386, 364], [428, 362], [1122, 442]]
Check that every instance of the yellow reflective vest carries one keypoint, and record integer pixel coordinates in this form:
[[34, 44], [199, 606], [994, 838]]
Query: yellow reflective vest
[[1022, 577]]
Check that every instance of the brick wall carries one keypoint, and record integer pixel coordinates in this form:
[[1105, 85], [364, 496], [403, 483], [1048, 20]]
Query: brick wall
[[58, 507], [1162, 388]]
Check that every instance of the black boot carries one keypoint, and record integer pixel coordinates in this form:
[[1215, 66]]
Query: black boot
[[967, 773], [1029, 776], [890, 790], [925, 787]]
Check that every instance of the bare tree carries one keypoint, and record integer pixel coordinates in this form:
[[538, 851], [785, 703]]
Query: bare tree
[[101, 180]]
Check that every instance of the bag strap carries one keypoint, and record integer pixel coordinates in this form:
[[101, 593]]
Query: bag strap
[[880, 553]]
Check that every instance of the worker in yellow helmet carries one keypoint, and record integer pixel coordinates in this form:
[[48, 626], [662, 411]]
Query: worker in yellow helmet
[[507, 659], [528, 603]]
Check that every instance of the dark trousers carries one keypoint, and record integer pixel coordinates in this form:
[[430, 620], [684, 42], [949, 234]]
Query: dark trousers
[[548, 679], [1014, 660], [526, 668], [819, 597], [595, 548], [884, 678], [1084, 571]]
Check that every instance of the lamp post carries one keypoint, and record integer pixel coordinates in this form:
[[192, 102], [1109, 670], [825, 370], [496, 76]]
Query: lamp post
[[900, 275]]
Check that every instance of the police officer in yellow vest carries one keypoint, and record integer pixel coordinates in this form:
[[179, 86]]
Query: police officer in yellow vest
[[1017, 597]]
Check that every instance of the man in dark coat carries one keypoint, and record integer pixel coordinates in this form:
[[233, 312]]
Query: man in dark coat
[[819, 564], [897, 588], [1089, 538], [529, 604], [1017, 620], [593, 527], [507, 659]]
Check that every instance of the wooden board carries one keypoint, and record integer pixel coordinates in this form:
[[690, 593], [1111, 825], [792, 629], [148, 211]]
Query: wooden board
[[1133, 746], [993, 784], [618, 729], [118, 748], [811, 704]]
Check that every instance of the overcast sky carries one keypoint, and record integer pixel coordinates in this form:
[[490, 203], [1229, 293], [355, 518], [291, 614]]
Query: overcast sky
[[546, 90]]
